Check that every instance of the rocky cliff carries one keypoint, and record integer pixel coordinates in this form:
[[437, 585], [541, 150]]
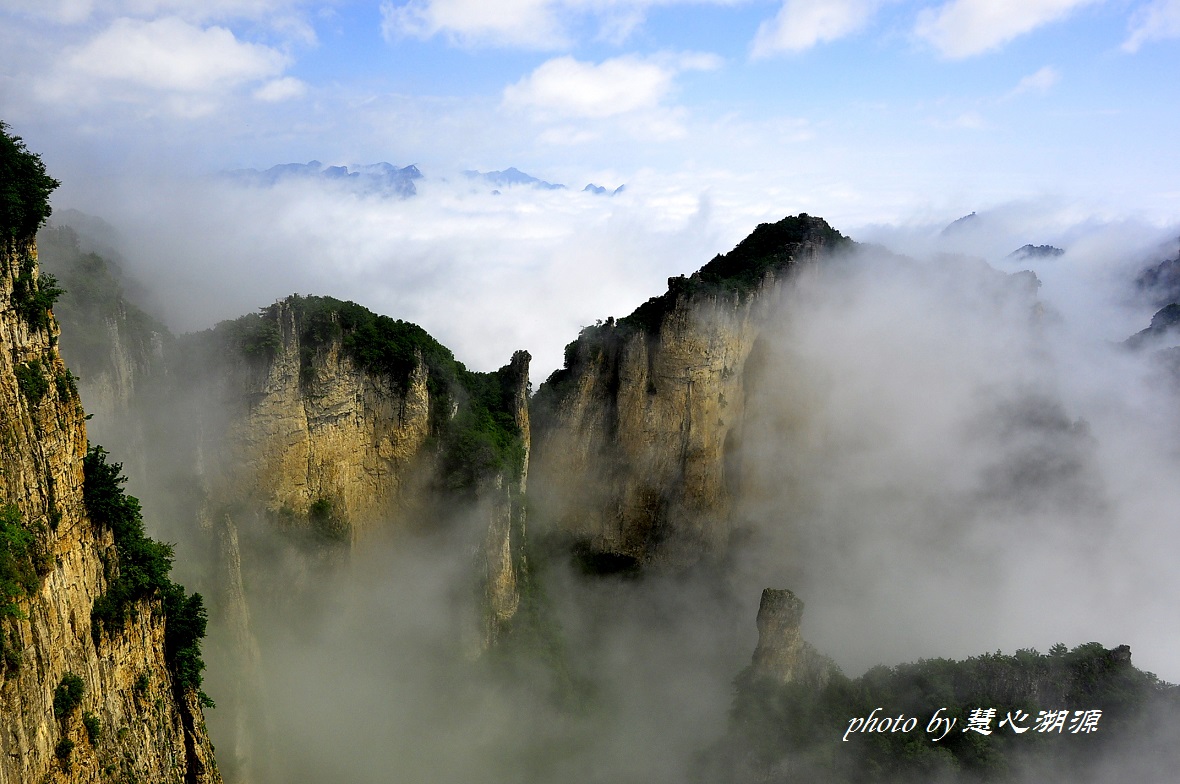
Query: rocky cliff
[[635, 435], [782, 654], [78, 702], [315, 425], [277, 443]]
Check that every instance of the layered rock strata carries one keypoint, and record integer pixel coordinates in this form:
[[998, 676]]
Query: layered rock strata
[[127, 716], [637, 436]]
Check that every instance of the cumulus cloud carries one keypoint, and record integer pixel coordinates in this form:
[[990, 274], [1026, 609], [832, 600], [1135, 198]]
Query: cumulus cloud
[[169, 54], [569, 88], [1156, 21], [167, 62], [962, 28], [801, 24], [627, 91]]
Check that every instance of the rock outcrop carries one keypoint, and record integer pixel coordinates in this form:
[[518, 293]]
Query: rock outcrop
[[782, 655], [311, 437], [635, 436], [76, 704]]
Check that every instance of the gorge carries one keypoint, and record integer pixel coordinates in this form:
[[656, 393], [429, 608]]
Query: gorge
[[415, 571]]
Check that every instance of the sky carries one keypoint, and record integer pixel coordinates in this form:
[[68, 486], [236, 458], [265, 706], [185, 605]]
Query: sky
[[716, 114]]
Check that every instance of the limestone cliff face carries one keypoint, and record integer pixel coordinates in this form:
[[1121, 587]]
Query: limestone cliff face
[[148, 729], [635, 435], [312, 437], [504, 567]]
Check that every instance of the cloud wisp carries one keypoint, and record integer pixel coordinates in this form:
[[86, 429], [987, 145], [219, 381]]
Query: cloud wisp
[[802, 24], [965, 28]]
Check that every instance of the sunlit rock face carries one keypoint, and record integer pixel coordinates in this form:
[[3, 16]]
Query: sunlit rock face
[[278, 445], [150, 729], [637, 437]]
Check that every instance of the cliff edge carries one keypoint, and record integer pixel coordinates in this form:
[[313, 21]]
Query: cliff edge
[[81, 698]]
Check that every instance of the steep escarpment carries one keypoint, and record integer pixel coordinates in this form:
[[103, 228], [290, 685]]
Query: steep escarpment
[[331, 419], [635, 434], [289, 439], [98, 679], [276, 444]]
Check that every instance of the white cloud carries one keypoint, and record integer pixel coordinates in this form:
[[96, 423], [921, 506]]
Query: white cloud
[[537, 24], [961, 28], [1040, 82], [627, 94], [529, 23], [170, 55], [61, 11], [801, 24], [77, 11], [566, 87], [281, 90], [1155, 21]]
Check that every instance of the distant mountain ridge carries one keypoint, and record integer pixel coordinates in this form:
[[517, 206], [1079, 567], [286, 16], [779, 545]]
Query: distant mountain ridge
[[383, 178], [510, 177], [386, 179], [1161, 283], [1031, 251], [599, 190]]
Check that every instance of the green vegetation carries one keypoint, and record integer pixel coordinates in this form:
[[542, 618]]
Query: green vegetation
[[93, 726], [482, 437], [11, 657], [18, 561], [326, 522], [33, 296], [63, 750], [24, 188], [771, 247], [30, 377], [141, 573], [66, 384], [68, 695], [806, 725]]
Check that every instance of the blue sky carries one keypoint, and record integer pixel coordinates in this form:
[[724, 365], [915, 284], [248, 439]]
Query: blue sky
[[1071, 97], [717, 114]]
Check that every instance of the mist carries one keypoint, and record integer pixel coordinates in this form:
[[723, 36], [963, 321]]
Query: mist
[[946, 461], [943, 454], [484, 273]]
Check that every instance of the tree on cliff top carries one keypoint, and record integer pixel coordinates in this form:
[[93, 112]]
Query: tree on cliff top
[[24, 188]]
